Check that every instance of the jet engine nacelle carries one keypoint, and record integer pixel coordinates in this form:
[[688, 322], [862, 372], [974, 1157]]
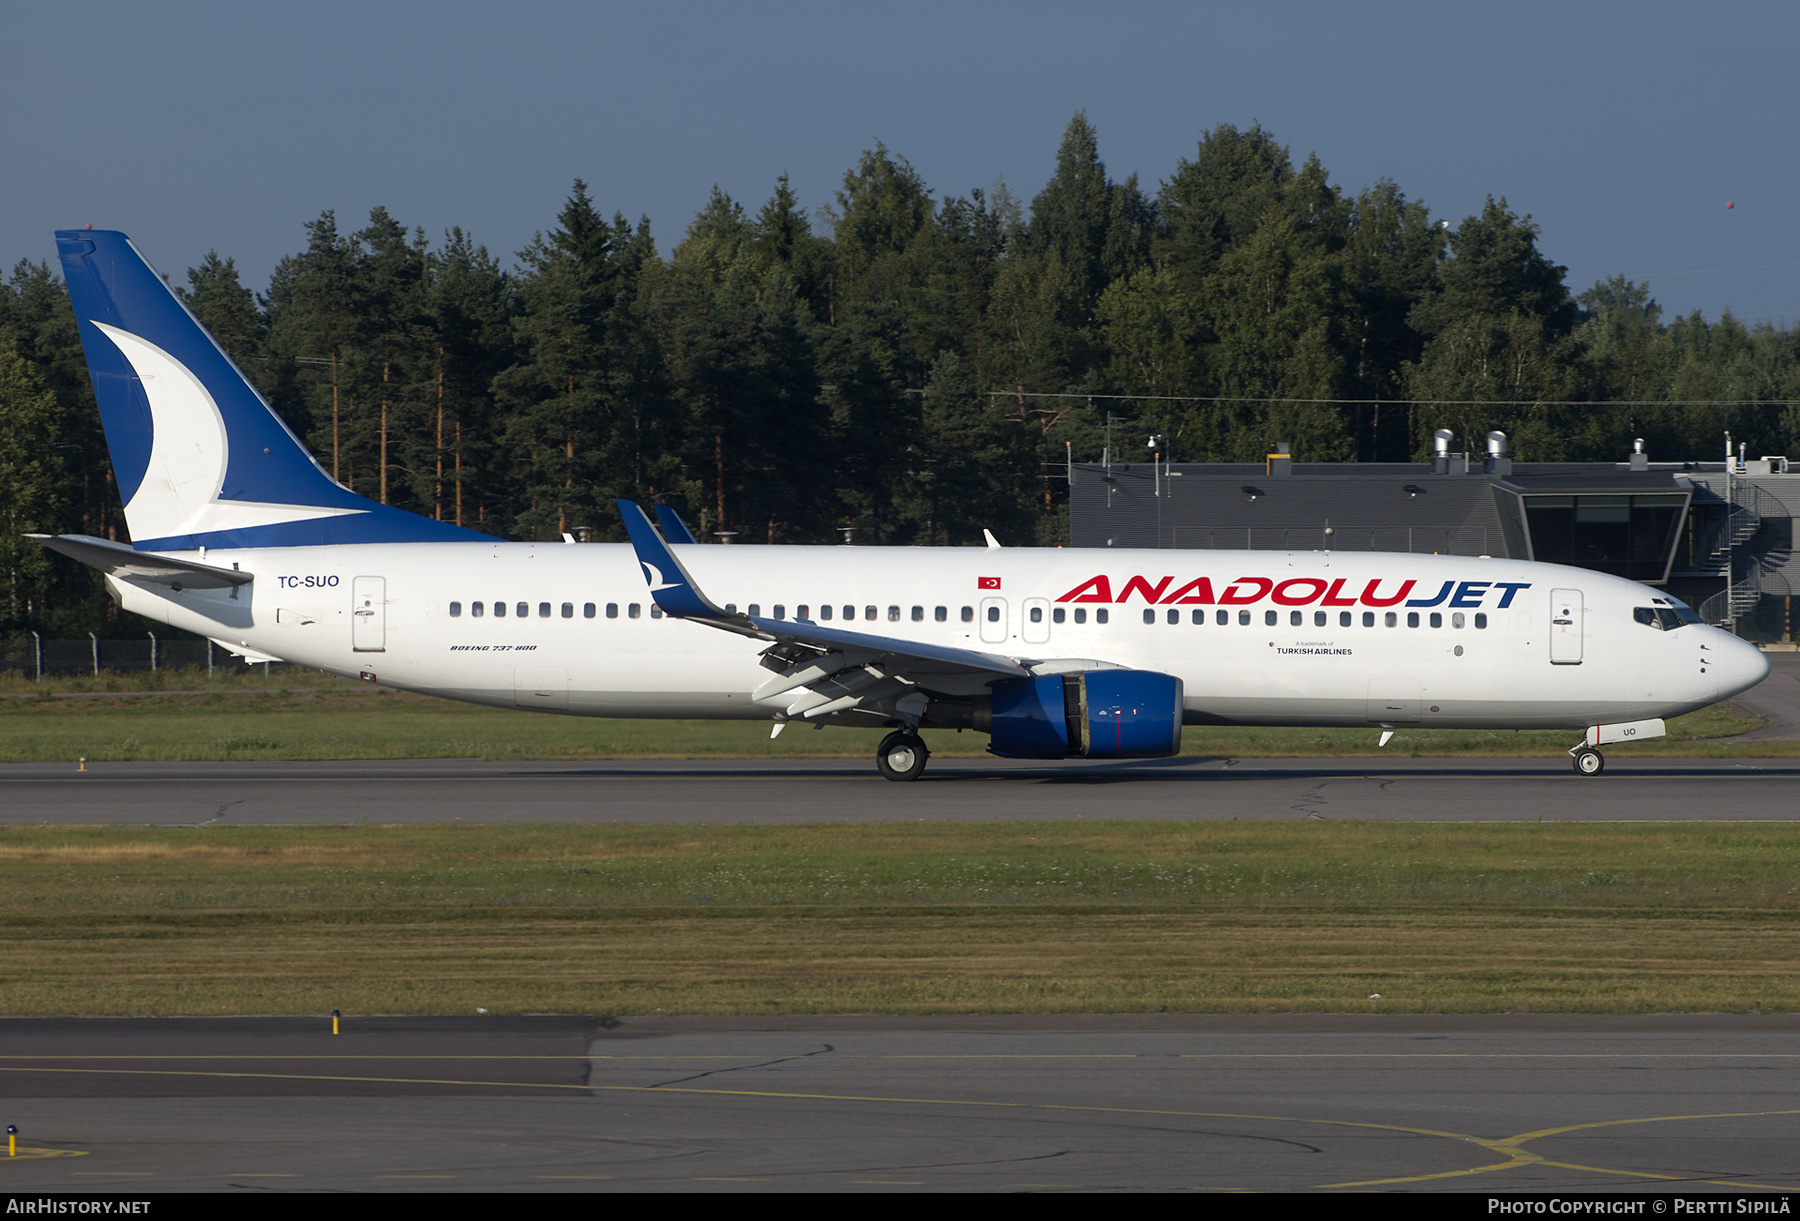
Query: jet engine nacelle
[[1096, 714]]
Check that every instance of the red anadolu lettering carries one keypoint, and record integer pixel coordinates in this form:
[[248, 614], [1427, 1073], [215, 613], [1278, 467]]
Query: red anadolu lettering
[[1259, 588], [1143, 586], [1094, 589], [1369, 598]]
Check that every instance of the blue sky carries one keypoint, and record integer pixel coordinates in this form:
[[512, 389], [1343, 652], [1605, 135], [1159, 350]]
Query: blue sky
[[1623, 128]]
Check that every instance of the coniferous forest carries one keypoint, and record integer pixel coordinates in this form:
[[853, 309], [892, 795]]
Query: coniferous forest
[[905, 367]]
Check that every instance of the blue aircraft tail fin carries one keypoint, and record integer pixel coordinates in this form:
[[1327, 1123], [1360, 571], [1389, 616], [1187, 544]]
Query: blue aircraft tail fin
[[199, 457]]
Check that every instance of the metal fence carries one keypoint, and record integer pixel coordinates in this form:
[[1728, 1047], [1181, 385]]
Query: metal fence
[[36, 656]]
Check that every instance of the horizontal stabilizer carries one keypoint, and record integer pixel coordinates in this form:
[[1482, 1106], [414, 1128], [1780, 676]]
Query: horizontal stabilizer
[[251, 656], [120, 560]]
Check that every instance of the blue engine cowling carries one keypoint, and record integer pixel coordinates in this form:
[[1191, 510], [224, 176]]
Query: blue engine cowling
[[1096, 714]]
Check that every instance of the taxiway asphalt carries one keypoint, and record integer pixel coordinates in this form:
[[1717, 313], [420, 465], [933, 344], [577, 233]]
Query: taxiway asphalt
[[790, 791], [1486, 1104]]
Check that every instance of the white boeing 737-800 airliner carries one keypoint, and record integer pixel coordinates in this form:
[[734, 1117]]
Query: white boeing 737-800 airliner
[[240, 536]]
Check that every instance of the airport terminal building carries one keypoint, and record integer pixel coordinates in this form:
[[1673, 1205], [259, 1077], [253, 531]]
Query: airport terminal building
[[1718, 535]]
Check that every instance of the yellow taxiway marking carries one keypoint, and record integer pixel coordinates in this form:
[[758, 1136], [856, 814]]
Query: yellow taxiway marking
[[1520, 1156], [1509, 1147], [34, 1154]]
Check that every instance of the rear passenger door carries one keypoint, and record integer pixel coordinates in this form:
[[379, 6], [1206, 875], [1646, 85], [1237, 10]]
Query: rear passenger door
[[368, 615]]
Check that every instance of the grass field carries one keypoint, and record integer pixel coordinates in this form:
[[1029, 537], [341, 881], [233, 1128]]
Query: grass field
[[1123, 917], [243, 715], [902, 918]]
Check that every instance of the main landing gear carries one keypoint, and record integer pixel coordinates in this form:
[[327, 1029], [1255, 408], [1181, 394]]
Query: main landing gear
[[1588, 761], [901, 755]]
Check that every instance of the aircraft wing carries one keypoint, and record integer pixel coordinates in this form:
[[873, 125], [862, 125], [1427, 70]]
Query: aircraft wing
[[829, 669], [121, 560]]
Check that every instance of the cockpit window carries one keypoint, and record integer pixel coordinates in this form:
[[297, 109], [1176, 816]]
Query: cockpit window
[[1662, 618]]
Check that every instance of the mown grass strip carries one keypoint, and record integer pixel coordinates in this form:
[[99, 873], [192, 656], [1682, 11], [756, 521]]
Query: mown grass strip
[[339, 720], [1115, 917]]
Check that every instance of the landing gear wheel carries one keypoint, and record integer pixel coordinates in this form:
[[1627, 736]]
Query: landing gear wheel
[[901, 756], [1588, 761]]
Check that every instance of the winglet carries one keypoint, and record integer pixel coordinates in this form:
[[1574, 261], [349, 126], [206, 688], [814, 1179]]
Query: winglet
[[671, 587], [673, 528]]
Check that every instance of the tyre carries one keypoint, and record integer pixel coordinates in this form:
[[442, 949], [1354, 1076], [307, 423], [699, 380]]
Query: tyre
[[1589, 762], [901, 756]]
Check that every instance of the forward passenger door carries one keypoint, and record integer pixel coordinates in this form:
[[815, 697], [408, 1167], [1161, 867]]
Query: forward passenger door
[[1565, 627]]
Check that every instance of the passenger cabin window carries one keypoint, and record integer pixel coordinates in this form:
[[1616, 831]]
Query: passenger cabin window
[[1223, 618], [1149, 616], [633, 611], [655, 611], [1368, 618], [941, 614], [893, 614], [1344, 618], [1437, 620], [850, 612], [475, 610], [1412, 618], [1100, 615], [1037, 614], [1294, 619], [800, 612], [1393, 619], [968, 614], [1269, 618], [1199, 617], [524, 609], [869, 614], [1080, 614], [544, 610], [755, 610], [612, 610], [1058, 615], [1244, 618], [587, 610], [993, 614], [456, 610], [825, 613], [1174, 616], [499, 610], [780, 611], [1480, 622], [918, 614], [568, 610]]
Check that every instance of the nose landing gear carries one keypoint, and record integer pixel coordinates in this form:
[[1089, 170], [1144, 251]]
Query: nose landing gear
[[901, 756], [1587, 760]]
